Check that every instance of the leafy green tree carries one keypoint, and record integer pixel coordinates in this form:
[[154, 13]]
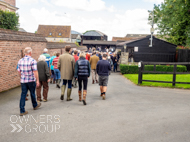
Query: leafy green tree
[[173, 21], [9, 20]]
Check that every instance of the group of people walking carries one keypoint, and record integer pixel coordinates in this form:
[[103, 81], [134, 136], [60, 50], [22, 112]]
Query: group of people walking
[[67, 68]]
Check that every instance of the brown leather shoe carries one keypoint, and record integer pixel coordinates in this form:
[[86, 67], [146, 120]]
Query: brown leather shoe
[[97, 81], [39, 104], [103, 96], [26, 112], [26, 99], [44, 100], [93, 82]]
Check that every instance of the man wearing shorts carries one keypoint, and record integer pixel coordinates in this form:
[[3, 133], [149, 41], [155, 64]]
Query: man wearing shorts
[[103, 68]]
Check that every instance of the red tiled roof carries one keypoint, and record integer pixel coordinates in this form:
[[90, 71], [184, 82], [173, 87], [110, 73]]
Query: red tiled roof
[[45, 30]]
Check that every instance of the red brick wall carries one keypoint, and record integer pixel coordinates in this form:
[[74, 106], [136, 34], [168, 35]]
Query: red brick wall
[[7, 7], [10, 53], [11, 2], [2, 7], [51, 51]]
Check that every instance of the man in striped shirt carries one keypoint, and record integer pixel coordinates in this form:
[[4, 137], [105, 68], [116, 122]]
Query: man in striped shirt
[[56, 70], [27, 68]]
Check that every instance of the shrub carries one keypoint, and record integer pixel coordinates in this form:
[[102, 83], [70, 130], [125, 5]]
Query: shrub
[[9, 20], [77, 44], [133, 69], [129, 69]]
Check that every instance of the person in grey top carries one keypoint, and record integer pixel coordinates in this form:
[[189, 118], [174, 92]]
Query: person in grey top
[[44, 78]]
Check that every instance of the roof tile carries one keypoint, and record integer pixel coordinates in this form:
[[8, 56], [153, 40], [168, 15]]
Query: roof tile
[[45, 30]]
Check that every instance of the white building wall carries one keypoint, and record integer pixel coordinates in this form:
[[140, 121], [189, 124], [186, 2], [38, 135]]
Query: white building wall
[[73, 40]]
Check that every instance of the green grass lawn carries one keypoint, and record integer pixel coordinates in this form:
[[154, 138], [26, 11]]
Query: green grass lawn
[[161, 77]]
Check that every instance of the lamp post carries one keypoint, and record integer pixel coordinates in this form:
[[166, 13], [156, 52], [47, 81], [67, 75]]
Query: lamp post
[[152, 28]]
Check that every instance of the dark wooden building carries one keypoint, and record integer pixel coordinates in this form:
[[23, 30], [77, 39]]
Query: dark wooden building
[[161, 51], [94, 35], [101, 44]]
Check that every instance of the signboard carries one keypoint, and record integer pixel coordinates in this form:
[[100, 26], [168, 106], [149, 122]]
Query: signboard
[[139, 64], [136, 49]]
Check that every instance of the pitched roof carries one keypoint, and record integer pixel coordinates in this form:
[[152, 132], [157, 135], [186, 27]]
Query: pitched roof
[[75, 33], [94, 33], [56, 31], [122, 39], [21, 30], [137, 35], [137, 40]]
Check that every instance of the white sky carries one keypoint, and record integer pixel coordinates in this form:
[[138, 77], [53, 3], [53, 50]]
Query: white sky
[[114, 18]]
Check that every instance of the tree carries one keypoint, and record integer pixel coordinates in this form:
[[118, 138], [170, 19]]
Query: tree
[[9, 20], [173, 21]]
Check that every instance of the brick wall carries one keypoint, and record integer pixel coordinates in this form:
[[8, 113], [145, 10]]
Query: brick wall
[[51, 51], [9, 5], [11, 48], [2, 7], [11, 2]]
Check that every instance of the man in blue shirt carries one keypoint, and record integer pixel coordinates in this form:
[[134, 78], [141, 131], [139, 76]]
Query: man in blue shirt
[[103, 67]]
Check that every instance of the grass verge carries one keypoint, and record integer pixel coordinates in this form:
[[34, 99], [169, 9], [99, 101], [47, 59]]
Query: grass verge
[[161, 77]]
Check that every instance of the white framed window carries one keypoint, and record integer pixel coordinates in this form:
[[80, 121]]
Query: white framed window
[[50, 34], [60, 34]]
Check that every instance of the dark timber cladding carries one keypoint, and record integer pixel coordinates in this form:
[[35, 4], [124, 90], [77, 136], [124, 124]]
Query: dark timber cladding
[[161, 51]]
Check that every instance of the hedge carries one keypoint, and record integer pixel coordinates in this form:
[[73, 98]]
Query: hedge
[[9, 20], [133, 69]]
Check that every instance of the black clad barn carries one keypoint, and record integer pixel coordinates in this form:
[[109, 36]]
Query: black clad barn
[[161, 51]]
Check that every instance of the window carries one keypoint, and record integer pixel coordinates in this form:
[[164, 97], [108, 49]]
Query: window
[[50, 34], [59, 34]]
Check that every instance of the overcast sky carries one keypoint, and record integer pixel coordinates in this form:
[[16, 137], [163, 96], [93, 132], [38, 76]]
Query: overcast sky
[[112, 17]]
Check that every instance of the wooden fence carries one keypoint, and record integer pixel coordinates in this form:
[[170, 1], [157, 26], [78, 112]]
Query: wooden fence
[[141, 71]]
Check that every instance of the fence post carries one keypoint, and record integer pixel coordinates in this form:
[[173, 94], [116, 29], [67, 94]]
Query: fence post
[[174, 75], [140, 73], [154, 67]]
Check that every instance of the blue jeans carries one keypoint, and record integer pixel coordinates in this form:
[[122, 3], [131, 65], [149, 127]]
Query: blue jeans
[[115, 67], [69, 83], [57, 74], [53, 75], [31, 86]]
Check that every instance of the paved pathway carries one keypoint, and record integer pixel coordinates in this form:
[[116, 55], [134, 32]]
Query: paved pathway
[[129, 114]]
